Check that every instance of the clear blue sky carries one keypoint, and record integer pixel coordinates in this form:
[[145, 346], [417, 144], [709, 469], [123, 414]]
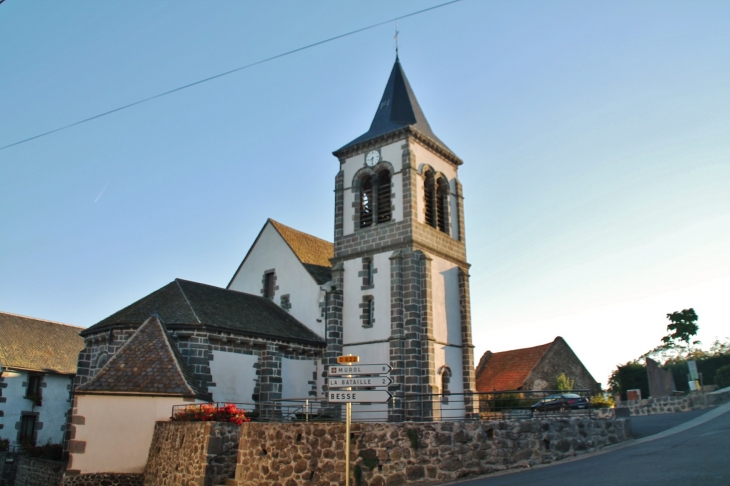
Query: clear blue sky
[[595, 140]]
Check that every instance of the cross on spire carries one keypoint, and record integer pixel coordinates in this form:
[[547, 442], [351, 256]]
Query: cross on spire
[[396, 39]]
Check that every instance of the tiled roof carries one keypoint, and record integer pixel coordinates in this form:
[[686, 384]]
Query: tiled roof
[[39, 345], [313, 252], [508, 370], [148, 363], [192, 303]]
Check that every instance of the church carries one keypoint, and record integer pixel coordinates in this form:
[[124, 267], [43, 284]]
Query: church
[[392, 288]]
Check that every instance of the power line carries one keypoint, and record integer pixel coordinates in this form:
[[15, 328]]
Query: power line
[[205, 80]]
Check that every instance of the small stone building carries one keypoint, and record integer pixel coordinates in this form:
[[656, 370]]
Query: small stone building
[[534, 368], [37, 368]]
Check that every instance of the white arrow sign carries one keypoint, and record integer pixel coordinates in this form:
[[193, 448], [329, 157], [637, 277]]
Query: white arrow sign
[[344, 396], [359, 369], [365, 381]]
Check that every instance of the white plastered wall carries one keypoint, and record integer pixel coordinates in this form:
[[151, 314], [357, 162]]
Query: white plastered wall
[[450, 356], [297, 375], [51, 413], [445, 299], [271, 252], [353, 330], [117, 431], [234, 377], [391, 153]]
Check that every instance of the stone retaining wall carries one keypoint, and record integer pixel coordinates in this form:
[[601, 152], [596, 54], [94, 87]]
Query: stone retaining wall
[[34, 471], [104, 479], [395, 454], [671, 404], [192, 453]]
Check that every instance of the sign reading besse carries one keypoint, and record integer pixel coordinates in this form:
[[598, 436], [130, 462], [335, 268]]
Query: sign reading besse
[[372, 396]]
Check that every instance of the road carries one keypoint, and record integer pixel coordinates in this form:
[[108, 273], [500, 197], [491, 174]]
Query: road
[[695, 453]]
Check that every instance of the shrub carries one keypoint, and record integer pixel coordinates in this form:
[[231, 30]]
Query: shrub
[[564, 383], [211, 413], [4, 444], [599, 401], [53, 452], [722, 377]]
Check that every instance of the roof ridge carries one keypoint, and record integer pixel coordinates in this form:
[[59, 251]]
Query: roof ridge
[[300, 231], [523, 349], [41, 320], [176, 356], [182, 291]]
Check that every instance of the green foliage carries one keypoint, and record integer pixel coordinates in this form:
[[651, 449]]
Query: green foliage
[[599, 401], [357, 472], [564, 383], [4, 444], [708, 366], [683, 326], [413, 437], [629, 376], [722, 377], [496, 402]]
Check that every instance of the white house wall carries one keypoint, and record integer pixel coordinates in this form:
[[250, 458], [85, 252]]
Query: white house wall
[[297, 376], [271, 252], [445, 298], [51, 414], [117, 432], [233, 377]]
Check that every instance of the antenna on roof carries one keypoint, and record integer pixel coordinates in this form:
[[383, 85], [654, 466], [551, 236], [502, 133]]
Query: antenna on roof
[[396, 39]]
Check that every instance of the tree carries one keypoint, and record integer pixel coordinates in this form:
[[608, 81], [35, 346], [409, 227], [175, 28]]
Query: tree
[[563, 383], [683, 326]]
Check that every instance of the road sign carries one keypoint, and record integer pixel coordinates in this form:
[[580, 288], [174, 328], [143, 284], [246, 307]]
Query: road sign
[[348, 359], [365, 381], [363, 369], [345, 396]]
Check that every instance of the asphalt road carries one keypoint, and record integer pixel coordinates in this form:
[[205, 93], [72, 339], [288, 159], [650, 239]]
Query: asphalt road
[[695, 453]]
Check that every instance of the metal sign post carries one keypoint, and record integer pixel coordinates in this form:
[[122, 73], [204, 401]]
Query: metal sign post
[[354, 375]]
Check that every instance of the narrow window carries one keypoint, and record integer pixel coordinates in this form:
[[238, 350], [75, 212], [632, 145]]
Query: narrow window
[[269, 280], [384, 205], [442, 205], [367, 271], [27, 427], [34, 387], [445, 381], [430, 199], [368, 311], [366, 203]]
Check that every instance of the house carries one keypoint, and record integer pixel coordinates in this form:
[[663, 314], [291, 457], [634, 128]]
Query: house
[[534, 368], [37, 367], [392, 288]]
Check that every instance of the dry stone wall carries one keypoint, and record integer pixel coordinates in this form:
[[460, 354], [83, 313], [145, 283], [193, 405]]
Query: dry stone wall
[[33, 471], [192, 453], [104, 479], [670, 404], [399, 453]]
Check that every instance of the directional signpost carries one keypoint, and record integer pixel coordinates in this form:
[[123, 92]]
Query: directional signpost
[[356, 383]]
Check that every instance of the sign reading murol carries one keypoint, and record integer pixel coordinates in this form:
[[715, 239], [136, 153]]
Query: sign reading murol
[[363, 369]]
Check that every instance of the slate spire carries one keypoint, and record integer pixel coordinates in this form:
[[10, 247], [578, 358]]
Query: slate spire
[[398, 109]]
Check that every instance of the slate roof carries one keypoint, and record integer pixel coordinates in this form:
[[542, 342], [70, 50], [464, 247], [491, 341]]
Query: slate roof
[[39, 345], [398, 109], [313, 252], [190, 303], [148, 363], [508, 370]]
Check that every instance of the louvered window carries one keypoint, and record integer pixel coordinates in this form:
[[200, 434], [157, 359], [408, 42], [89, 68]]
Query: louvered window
[[442, 205], [384, 206], [366, 203], [430, 199]]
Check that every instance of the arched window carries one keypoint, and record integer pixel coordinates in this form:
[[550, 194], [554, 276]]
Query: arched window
[[366, 202], [442, 205], [384, 206], [445, 372], [429, 195]]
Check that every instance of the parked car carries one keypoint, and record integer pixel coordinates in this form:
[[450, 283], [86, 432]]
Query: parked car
[[561, 401]]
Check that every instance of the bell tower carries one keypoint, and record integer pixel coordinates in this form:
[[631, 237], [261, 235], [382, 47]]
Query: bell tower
[[400, 276]]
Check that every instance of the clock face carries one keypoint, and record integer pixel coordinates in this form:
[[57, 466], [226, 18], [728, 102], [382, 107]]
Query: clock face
[[372, 158]]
